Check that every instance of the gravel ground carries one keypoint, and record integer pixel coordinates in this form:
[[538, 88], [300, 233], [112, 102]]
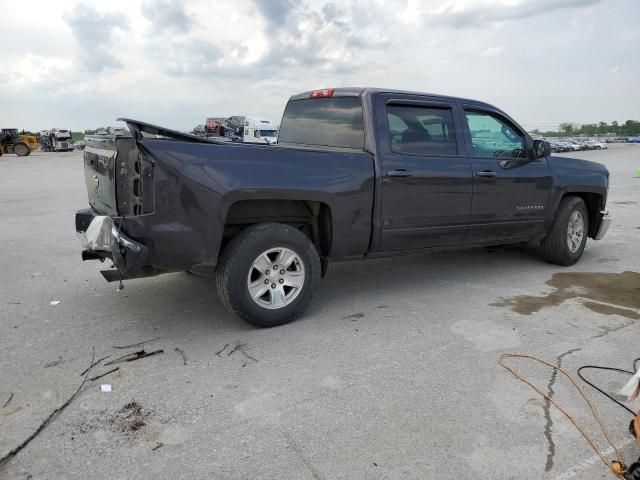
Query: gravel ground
[[392, 373]]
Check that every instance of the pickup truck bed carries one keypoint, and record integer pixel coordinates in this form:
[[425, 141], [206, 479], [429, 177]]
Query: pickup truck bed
[[170, 189]]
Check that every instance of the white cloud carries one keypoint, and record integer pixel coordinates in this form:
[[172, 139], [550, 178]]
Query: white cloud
[[177, 62], [463, 13], [94, 32], [167, 16], [491, 51], [33, 69]]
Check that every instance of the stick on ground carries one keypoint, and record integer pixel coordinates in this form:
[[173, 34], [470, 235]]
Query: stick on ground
[[8, 400], [223, 349], [94, 364], [136, 344], [48, 420], [240, 348], [182, 354], [247, 355], [104, 374], [130, 357], [237, 347]]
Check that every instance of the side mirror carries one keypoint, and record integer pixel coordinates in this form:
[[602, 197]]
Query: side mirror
[[541, 149]]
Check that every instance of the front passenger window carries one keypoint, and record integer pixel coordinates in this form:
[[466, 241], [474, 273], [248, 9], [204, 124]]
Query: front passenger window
[[492, 136]]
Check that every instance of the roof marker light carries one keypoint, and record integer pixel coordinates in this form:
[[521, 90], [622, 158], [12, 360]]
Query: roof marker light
[[325, 92]]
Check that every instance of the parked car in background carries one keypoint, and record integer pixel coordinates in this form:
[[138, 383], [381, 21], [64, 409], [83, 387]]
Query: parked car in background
[[596, 145]]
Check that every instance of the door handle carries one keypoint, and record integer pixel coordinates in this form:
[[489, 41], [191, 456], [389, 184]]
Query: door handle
[[401, 172], [486, 173]]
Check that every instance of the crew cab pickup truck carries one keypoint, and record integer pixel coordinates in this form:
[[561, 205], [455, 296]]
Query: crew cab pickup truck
[[357, 173]]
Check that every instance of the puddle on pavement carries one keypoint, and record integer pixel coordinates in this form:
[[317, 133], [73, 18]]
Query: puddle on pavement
[[611, 310], [619, 291]]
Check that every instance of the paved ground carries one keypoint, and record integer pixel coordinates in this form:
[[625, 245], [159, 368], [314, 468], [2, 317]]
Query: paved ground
[[391, 374]]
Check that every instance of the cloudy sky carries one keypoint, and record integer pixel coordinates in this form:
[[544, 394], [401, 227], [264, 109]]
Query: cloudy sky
[[81, 64]]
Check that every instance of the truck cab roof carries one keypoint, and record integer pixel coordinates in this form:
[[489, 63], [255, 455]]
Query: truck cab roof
[[259, 122], [366, 91]]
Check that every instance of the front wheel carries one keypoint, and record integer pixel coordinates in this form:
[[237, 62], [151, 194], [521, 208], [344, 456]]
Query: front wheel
[[21, 149], [268, 273], [567, 238]]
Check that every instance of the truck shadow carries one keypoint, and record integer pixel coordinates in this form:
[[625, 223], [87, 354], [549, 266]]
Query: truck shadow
[[353, 282], [191, 303], [414, 275]]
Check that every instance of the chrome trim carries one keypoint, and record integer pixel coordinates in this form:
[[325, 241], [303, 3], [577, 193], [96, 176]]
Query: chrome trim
[[102, 235], [115, 233], [604, 226]]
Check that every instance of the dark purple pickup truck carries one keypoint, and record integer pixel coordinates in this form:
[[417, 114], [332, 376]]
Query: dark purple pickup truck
[[357, 173]]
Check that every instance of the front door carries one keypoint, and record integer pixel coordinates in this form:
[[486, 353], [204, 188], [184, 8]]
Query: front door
[[426, 178], [510, 189]]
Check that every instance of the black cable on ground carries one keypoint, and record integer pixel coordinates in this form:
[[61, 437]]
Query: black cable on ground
[[612, 369]]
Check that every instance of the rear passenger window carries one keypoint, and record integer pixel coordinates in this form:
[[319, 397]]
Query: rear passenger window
[[421, 130]]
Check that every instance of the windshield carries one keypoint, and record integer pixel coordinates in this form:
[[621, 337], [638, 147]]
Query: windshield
[[267, 133], [331, 122]]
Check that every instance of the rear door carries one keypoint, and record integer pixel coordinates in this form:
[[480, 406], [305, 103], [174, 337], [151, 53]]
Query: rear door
[[510, 189], [426, 177]]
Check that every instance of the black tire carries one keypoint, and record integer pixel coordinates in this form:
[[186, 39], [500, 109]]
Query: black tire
[[21, 149], [235, 265], [555, 246]]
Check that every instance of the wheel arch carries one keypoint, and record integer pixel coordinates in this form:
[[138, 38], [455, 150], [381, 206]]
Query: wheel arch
[[314, 218], [595, 203]]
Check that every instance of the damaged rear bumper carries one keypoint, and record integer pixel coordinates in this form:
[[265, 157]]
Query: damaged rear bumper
[[101, 238]]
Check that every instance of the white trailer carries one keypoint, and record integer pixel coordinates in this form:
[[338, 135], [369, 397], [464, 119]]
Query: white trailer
[[117, 131], [259, 130], [60, 140], [252, 129], [55, 140]]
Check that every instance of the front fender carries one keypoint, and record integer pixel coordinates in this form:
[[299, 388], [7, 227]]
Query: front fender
[[589, 180]]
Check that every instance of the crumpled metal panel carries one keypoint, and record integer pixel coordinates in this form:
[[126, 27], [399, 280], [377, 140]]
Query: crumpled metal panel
[[98, 235]]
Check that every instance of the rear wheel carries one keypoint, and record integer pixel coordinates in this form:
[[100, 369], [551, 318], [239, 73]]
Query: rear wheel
[[21, 149], [268, 273], [567, 238]]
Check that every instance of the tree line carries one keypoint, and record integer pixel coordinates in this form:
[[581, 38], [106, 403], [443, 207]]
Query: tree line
[[630, 128]]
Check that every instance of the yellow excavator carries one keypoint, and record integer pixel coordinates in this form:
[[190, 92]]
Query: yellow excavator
[[30, 140], [11, 142]]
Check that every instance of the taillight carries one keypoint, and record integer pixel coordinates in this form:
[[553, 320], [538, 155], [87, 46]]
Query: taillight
[[325, 92]]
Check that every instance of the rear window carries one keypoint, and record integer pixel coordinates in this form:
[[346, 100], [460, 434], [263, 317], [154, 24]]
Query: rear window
[[328, 122]]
